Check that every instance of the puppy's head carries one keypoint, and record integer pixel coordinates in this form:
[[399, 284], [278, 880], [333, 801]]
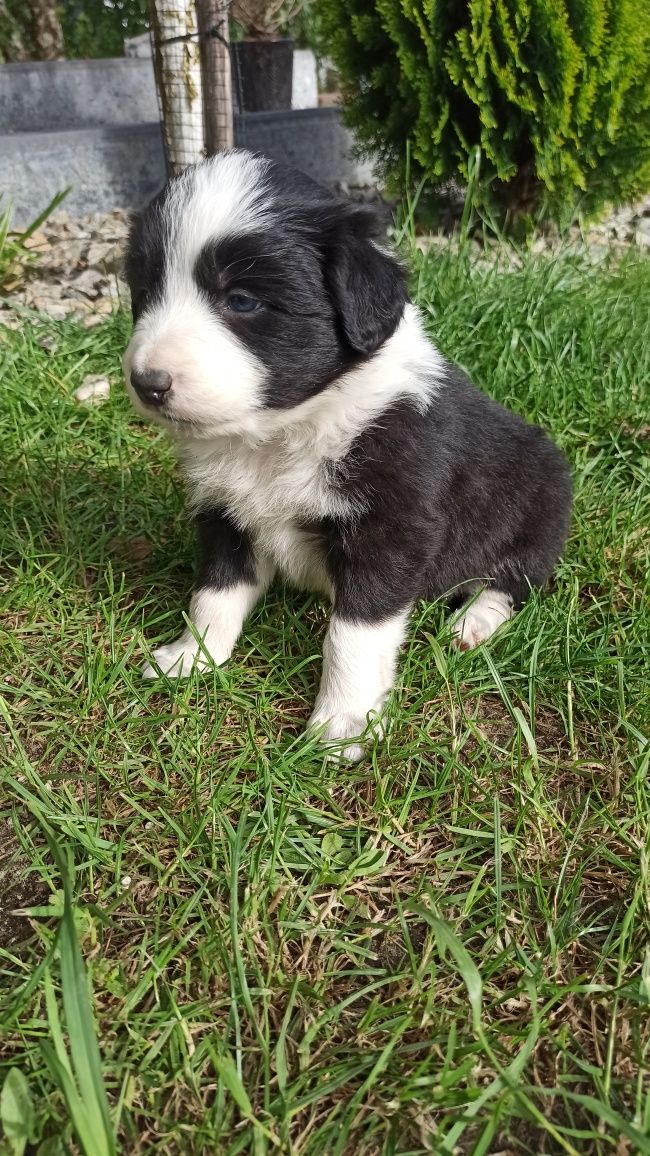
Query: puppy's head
[[252, 290]]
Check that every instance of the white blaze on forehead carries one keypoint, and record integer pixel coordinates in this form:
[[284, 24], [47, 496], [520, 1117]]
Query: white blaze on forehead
[[225, 196]]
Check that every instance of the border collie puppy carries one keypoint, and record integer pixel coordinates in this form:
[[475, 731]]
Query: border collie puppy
[[322, 435]]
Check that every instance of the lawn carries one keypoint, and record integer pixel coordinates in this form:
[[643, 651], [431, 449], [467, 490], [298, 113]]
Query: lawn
[[443, 949]]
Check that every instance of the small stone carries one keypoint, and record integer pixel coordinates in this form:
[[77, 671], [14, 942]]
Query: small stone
[[88, 283], [80, 306], [66, 255], [104, 255], [37, 242], [55, 309], [117, 290], [9, 320], [431, 240], [125, 882], [78, 228], [49, 344], [101, 306], [598, 252], [93, 390]]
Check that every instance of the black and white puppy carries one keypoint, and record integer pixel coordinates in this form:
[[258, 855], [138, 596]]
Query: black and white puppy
[[321, 434]]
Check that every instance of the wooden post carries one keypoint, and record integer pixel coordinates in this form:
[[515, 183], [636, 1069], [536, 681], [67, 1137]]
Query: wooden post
[[46, 29], [178, 76], [214, 39]]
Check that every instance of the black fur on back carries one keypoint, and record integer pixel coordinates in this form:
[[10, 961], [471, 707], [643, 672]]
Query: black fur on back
[[467, 493]]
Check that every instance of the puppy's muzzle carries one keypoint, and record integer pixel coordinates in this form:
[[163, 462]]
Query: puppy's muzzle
[[151, 385]]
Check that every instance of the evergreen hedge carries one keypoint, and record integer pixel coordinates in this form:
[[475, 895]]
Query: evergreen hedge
[[555, 93]]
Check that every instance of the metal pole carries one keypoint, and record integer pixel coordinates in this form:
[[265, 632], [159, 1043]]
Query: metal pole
[[214, 39]]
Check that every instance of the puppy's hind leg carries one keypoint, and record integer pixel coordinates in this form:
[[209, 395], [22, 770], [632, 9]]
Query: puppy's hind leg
[[483, 615]]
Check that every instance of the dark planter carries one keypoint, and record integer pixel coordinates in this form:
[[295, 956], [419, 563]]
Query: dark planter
[[263, 74]]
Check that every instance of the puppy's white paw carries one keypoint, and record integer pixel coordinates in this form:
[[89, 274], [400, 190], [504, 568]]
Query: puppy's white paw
[[485, 615], [178, 659], [334, 730]]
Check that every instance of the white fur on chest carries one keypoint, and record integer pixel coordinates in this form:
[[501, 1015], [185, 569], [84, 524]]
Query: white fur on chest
[[271, 490], [286, 468], [296, 553]]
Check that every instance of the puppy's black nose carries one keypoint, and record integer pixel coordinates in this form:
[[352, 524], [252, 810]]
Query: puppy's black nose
[[151, 385]]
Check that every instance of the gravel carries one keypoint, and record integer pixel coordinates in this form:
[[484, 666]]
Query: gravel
[[622, 228], [76, 270], [77, 266]]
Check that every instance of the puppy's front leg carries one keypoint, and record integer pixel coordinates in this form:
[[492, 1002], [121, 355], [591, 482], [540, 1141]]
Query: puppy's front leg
[[359, 662], [230, 580]]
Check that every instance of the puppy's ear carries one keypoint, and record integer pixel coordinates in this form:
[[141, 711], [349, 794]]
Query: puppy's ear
[[367, 284]]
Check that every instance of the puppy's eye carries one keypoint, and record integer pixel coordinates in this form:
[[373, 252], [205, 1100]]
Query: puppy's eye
[[243, 303]]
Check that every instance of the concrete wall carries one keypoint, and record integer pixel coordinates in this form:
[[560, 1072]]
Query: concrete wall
[[311, 139], [93, 125], [122, 166], [107, 167], [64, 94]]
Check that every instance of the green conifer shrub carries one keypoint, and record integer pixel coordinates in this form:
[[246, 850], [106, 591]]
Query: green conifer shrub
[[555, 93]]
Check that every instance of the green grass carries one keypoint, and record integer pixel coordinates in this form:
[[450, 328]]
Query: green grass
[[15, 253], [442, 949]]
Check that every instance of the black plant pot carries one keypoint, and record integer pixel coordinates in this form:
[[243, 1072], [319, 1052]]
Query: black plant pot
[[263, 74]]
